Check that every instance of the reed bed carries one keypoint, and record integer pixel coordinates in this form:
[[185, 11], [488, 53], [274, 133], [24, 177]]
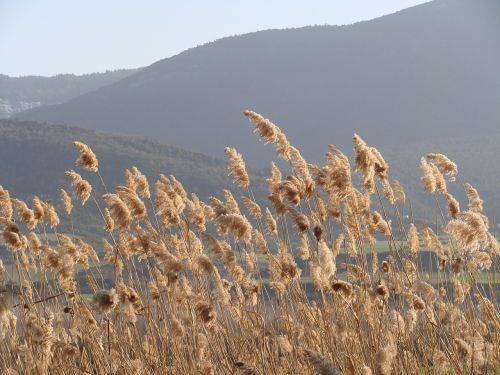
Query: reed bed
[[233, 286]]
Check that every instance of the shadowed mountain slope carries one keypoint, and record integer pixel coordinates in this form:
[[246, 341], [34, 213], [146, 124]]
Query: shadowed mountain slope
[[426, 72]]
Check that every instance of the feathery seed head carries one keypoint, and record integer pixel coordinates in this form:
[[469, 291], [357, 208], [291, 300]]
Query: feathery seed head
[[87, 158]]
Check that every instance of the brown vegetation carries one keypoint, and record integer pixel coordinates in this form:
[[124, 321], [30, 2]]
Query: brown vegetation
[[200, 288]]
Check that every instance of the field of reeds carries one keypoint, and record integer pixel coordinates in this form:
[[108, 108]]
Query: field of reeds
[[232, 286]]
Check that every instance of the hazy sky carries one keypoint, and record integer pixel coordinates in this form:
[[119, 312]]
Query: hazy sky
[[46, 37]]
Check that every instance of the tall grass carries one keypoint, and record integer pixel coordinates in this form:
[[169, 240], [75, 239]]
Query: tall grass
[[229, 286]]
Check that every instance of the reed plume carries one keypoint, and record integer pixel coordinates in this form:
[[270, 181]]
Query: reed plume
[[5, 204], [87, 158], [323, 277], [237, 167], [81, 188], [66, 201], [119, 211]]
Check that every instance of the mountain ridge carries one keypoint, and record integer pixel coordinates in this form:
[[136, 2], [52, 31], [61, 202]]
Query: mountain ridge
[[389, 79], [31, 91]]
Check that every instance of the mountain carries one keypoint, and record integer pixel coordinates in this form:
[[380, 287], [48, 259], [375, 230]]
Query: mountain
[[20, 93], [35, 157], [426, 72]]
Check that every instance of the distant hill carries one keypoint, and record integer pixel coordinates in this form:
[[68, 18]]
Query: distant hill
[[430, 71], [35, 157], [20, 93]]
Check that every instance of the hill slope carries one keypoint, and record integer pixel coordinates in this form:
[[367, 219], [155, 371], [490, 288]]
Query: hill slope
[[21, 93], [425, 72], [35, 157]]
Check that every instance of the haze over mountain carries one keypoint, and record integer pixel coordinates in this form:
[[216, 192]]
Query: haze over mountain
[[20, 93], [425, 72]]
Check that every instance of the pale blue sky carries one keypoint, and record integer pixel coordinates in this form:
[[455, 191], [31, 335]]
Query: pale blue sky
[[46, 37]]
